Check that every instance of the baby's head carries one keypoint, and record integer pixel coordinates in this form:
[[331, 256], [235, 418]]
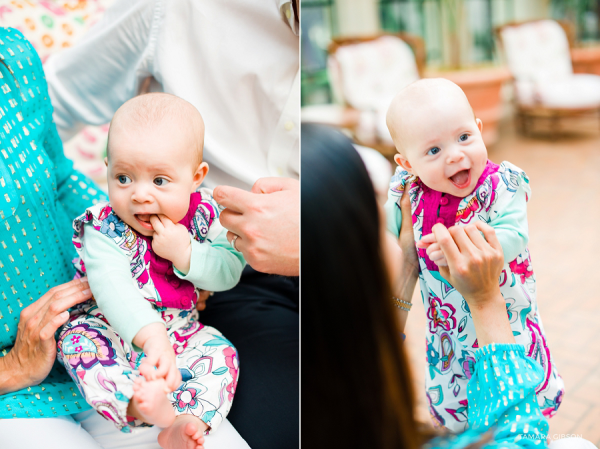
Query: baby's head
[[154, 159], [437, 136]]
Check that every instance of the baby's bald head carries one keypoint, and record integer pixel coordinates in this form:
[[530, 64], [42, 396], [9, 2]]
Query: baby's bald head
[[414, 105], [153, 110]]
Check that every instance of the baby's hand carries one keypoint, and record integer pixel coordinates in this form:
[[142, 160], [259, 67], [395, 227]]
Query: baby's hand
[[160, 361], [172, 242], [434, 251]]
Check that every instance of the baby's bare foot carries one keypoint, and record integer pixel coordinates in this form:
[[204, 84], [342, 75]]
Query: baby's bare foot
[[187, 432], [151, 403]]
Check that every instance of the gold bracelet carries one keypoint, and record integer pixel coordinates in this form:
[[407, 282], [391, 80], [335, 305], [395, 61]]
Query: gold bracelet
[[401, 304]]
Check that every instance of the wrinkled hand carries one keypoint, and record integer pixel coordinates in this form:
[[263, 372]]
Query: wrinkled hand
[[434, 251], [171, 241], [160, 355], [203, 295], [33, 354], [474, 262], [267, 223]]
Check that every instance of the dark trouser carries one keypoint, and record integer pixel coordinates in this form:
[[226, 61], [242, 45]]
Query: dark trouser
[[260, 317]]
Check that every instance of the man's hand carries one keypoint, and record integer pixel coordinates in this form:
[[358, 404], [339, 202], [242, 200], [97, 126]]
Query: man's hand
[[160, 357], [203, 295], [172, 242], [267, 223]]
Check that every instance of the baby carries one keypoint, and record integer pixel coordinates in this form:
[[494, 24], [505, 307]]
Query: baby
[[443, 166], [146, 254]]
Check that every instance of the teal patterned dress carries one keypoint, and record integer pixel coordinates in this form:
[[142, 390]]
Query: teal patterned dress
[[40, 195]]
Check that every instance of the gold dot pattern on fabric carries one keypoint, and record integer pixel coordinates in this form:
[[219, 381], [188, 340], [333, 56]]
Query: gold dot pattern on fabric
[[36, 212]]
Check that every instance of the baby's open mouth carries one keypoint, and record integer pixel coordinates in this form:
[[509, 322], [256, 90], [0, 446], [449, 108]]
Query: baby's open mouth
[[144, 220], [461, 179]]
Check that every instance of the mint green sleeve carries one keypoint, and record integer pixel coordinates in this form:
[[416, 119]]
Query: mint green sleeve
[[393, 213], [109, 276], [214, 266], [510, 221]]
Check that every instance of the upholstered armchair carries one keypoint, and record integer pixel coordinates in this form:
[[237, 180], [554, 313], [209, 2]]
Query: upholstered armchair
[[545, 87]]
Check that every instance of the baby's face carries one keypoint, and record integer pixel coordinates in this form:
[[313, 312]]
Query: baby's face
[[152, 172], [442, 145]]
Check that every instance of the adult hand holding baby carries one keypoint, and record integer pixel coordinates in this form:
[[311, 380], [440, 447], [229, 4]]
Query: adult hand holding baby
[[33, 354], [475, 262], [266, 221]]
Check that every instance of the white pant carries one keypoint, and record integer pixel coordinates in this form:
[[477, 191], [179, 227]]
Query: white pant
[[571, 443], [88, 430]]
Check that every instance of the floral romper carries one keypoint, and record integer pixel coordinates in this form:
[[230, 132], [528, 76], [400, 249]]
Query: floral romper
[[498, 199], [104, 366]]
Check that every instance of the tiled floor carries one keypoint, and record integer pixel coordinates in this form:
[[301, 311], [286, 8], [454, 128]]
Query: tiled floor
[[564, 231]]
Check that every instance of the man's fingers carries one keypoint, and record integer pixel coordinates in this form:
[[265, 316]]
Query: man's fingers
[[232, 221], [270, 185], [446, 242], [237, 200], [489, 234], [203, 295], [239, 242]]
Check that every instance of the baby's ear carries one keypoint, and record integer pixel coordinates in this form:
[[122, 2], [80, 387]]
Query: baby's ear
[[403, 162], [479, 124], [200, 174]]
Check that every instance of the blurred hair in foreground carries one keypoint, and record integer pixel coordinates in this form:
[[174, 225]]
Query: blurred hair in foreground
[[356, 387]]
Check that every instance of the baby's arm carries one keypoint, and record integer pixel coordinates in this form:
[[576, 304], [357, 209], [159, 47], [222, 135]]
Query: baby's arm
[[159, 353], [127, 311], [214, 266]]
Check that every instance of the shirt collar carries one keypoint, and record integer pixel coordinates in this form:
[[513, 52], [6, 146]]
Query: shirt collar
[[287, 12]]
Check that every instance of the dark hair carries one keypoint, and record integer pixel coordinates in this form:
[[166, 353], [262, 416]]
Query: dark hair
[[356, 388]]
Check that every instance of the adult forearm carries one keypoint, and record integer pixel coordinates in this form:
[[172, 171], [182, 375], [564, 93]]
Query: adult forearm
[[404, 289], [491, 322], [10, 379]]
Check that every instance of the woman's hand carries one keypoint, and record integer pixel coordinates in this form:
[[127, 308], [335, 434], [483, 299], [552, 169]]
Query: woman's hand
[[474, 267], [32, 356], [406, 240], [474, 263]]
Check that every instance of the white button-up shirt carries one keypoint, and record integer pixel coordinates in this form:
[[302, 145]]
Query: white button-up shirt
[[236, 61]]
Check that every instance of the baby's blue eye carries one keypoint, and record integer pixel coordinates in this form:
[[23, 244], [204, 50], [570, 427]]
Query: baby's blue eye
[[464, 137], [160, 182], [433, 151], [124, 179]]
